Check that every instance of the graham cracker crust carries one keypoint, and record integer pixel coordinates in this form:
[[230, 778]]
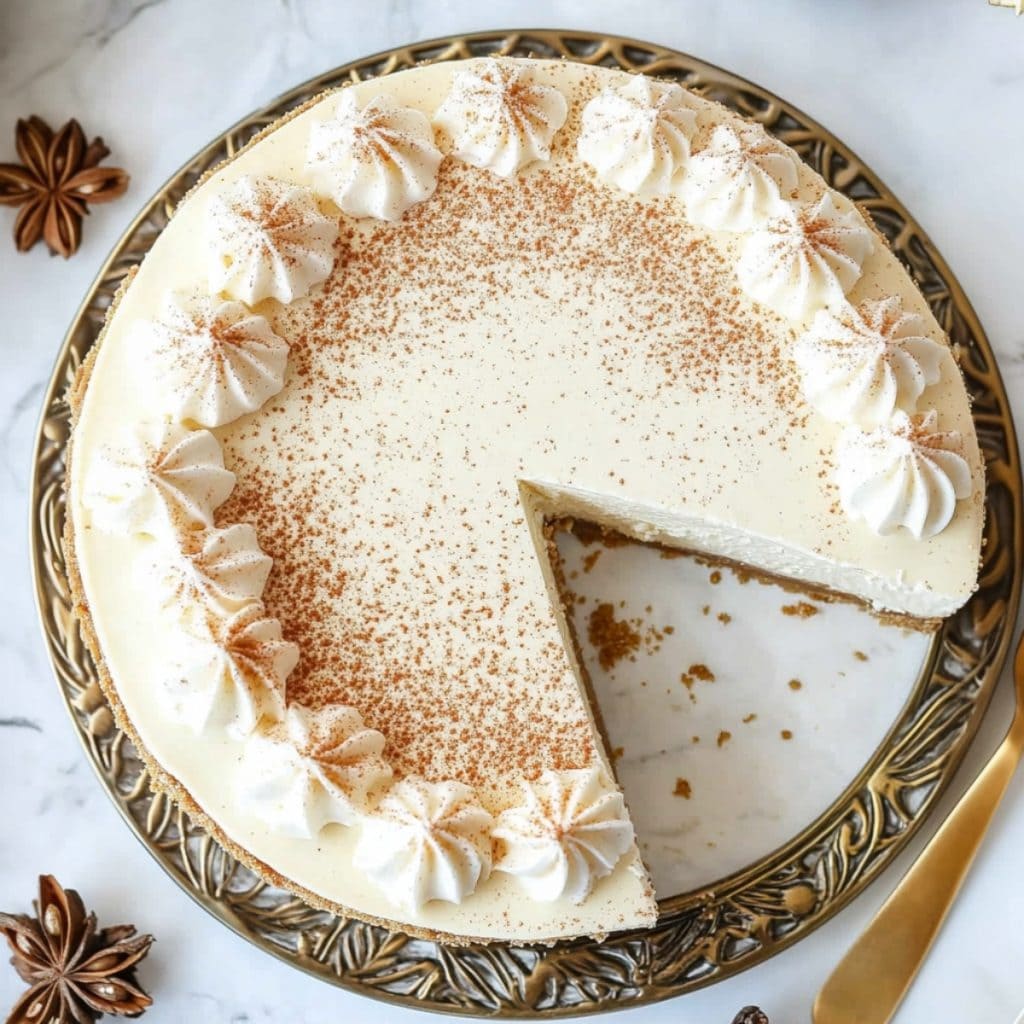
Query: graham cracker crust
[[590, 533]]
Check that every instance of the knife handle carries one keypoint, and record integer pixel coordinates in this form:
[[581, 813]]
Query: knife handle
[[871, 980]]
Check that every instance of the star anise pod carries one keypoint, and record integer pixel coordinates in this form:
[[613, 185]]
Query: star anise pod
[[751, 1015], [76, 972], [56, 180]]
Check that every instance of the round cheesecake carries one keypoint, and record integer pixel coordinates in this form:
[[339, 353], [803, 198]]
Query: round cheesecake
[[368, 364]]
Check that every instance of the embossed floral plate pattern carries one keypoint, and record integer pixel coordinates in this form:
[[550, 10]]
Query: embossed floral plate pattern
[[702, 936]]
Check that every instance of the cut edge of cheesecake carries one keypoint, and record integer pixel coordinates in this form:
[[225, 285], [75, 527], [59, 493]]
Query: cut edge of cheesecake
[[719, 542]]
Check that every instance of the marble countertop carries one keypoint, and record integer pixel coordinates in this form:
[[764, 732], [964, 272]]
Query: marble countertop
[[930, 94]]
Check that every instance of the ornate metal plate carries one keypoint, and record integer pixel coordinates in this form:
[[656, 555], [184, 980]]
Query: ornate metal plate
[[703, 936]]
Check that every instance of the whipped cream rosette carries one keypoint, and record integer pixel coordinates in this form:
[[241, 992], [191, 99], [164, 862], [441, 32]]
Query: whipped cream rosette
[[426, 841], [375, 160], [805, 257], [220, 568], [905, 474], [159, 478], [317, 767], [218, 360], [499, 118], [637, 136], [859, 365], [267, 239], [569, 832], [230, 672], [740, 179]]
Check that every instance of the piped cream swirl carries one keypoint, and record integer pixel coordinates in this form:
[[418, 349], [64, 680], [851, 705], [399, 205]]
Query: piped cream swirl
[[637, 136], [267, 239], [222, 569], [231, 672], [905, 474], [426, 841], [570, 831], [162, 478], [316, 768], [806, 257], [740, 179], [217, 360], [859, 365], [373, 161], [499, 118]]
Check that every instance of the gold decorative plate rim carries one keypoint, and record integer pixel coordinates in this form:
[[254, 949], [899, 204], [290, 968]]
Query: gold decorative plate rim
[[703, 936]]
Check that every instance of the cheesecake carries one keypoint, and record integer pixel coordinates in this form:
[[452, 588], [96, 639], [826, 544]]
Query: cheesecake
[[374, 358]]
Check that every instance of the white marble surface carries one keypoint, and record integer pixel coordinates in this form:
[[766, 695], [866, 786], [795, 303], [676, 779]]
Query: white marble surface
[[734, 723], [929, 92]]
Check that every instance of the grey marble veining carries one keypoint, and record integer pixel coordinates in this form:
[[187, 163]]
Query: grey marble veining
[[930, 94]]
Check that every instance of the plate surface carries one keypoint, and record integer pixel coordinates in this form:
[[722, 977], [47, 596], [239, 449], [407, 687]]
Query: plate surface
[[703, 935]]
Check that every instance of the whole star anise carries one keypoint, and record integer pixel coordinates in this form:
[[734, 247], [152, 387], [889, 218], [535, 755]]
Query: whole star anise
[[76, 973], [57, 178]]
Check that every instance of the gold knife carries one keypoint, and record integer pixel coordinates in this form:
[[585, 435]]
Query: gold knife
[[871, 980]]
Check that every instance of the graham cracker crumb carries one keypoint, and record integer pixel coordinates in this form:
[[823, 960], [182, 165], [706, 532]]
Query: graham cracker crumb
[[800, 610], [613, 638]]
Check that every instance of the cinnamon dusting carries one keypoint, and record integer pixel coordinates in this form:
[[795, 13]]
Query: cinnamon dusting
[[376, 592]]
